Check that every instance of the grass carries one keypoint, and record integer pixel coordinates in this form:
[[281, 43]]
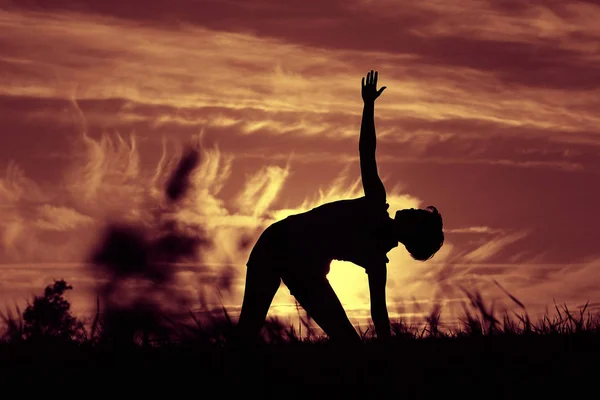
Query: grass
[[489, 355]]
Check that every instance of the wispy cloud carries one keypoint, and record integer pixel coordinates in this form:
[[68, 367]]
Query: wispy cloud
[[55, 218], [475, 229], [492, 247]]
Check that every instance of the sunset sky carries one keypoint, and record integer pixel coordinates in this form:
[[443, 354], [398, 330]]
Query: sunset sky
[[491, 114]]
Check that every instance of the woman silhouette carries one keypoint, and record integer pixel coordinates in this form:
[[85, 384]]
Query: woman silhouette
[[299, 249]]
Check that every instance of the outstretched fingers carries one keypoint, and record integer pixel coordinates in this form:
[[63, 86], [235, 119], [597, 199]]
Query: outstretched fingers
[[372, 77], [369, 86]]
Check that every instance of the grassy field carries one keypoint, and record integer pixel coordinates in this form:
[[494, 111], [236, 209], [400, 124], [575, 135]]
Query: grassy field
[[489, 356], [500, 365]]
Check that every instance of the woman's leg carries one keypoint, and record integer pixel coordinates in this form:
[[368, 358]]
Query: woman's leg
[[261, 286], [321, 303]]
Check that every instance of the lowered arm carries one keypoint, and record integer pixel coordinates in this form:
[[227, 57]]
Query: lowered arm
[[379, 313]]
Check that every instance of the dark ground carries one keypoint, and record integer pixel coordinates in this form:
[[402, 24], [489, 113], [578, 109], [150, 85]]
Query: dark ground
[[482, 367]]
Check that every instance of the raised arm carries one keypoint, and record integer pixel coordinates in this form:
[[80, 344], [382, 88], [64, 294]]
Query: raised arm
[[372, 184]]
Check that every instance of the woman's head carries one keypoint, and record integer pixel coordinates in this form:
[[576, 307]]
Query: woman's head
[[420, 230]]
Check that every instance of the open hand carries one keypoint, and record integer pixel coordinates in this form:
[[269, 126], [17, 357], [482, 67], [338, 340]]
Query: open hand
[[369, 88]]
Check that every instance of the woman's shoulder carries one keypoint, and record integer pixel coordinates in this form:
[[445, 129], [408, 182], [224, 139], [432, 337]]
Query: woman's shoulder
[[373, 205]]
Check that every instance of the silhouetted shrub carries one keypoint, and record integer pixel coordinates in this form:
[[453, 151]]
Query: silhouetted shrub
[[49, 316]]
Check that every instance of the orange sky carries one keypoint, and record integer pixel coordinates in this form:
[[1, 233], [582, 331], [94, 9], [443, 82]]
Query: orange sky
[[490, 114]]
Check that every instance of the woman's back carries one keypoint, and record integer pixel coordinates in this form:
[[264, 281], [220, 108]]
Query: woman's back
[[354, 230]]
